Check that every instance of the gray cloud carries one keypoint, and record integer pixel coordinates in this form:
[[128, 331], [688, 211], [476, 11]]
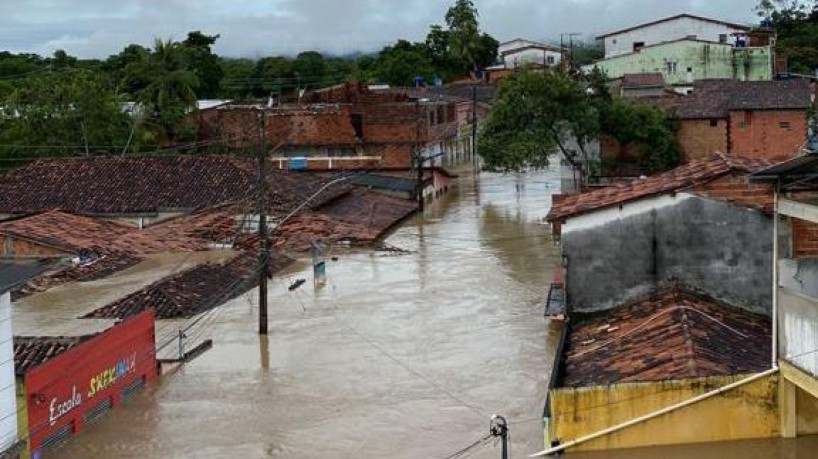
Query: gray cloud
[[97, 28]]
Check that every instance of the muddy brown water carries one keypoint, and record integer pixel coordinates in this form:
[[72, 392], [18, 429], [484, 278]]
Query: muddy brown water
[[398, 356]]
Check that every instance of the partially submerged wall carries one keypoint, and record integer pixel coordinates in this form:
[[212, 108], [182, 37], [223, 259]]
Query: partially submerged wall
[[748, 411], [623, 253]]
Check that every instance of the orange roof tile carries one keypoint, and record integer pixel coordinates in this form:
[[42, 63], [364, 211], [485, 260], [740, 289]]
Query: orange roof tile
[[681, 178], [674, 335], [65, 231]]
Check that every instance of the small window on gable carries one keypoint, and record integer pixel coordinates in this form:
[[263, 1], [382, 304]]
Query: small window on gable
[[723, 38], [714, 123], [637, 45]]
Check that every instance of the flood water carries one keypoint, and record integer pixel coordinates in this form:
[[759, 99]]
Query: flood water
[[399, 355]]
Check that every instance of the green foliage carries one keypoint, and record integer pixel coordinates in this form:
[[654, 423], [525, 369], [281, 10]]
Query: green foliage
[[646, 126], [165, 90], [537, 113], [199, 58], [400, 63], [796, 24], [57, 113], [464, 33]]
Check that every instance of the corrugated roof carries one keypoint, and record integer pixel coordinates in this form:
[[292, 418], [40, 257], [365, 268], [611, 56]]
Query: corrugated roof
[[694, 173], [674, 335], [14, 274]]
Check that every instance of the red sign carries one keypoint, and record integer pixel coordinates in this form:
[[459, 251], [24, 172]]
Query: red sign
[[89, 379]]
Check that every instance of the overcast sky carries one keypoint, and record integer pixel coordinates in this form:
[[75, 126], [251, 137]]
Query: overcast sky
[[253, 28]]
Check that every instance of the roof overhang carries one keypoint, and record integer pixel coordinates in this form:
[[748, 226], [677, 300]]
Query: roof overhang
[[797, 173]]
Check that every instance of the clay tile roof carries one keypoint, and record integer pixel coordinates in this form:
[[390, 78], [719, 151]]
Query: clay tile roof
[[137, 185], [65, 231], [716, 98], [30, 352], [192, 291], [674, 335], [643, 80], [694, 173]]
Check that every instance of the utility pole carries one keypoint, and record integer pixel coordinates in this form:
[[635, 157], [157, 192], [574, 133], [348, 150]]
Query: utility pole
[[499, 428], [474, 128], [264, 254]]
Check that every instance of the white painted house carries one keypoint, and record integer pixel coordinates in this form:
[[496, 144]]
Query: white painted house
[[631, 39], [518, 52], [8, 388]]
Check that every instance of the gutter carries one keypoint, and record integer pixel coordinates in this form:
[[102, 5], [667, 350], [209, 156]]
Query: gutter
[[655, 414]]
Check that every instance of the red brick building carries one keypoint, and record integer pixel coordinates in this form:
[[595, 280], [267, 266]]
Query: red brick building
[[757, 119], [346, 127]]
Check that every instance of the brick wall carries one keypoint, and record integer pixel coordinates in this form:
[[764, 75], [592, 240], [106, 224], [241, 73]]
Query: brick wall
[[767, 134], [700, 138], [736, 189], [15, 247], [804, 238]]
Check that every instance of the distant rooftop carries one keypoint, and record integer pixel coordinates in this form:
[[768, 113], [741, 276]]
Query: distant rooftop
[[716, 98], [672, 18]]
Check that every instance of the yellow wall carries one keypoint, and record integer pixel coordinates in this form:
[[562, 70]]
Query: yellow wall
[[748, 411], [22, 417], [806, 413]]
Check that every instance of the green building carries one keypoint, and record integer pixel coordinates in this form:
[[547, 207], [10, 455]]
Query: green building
[[684, 61]]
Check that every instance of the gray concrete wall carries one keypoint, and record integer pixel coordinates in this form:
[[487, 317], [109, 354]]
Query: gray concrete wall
[[721, 249]]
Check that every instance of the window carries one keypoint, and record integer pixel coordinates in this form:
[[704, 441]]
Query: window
[[358, 125], [670, 66], [637, 45], [714, 123], [549, 60], [723, 38]]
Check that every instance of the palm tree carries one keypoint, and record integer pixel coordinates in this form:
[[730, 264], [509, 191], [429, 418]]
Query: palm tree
[[169, 93]]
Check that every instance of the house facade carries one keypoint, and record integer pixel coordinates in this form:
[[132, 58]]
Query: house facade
[[517, 53], [635, 38], [685, 60], [762, 119]]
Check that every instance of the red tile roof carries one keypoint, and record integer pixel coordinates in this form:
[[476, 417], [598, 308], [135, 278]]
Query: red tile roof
[[65, 231], [30, 352], [674, 335], [137, 185], [684, 177]]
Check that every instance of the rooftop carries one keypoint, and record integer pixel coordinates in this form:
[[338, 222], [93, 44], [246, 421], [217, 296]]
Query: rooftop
[[716, 98], [30, 351], [643, 80], [14, 274], [136, 185], [65, 231], [673, 18], [191, 291], [684, 177], [674, 335]]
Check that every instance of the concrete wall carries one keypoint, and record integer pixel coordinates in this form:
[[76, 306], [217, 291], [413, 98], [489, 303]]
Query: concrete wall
[[676, 29], [622, 253], [769, 134], [704, 60], [8, 393], [798, 313], [749, 411], [517, 59], [699, 138]]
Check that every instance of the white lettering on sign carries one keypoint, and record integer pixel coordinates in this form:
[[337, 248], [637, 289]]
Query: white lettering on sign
[[58, 409]]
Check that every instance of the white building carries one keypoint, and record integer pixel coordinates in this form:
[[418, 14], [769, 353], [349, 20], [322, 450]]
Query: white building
[[677, 27], [516, 53]]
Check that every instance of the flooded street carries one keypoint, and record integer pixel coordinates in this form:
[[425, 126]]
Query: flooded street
[[400, 355]]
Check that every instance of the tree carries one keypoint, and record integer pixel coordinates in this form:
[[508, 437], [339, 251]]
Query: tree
[[399, 64], [58, 113], [796, 26], [199, 59], [464, 33], [537, 114], [166, 91]]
